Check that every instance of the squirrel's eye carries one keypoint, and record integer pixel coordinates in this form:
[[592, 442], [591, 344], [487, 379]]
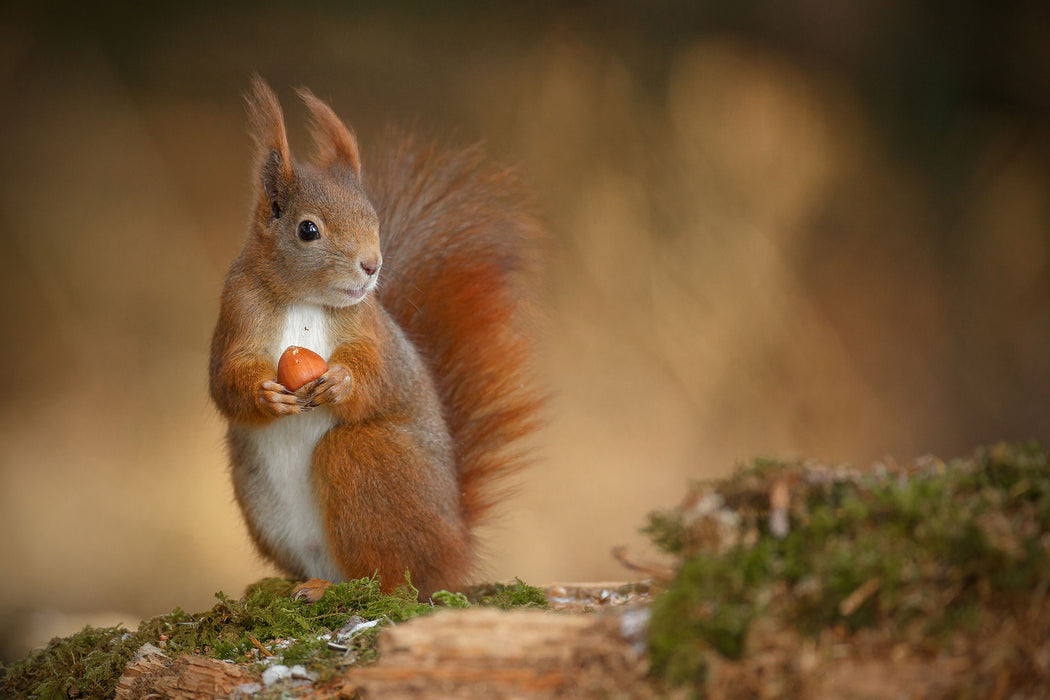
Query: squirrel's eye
[[308, 231]]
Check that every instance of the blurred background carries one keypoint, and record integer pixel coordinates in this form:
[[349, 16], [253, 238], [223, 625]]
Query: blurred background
[[806, 228]]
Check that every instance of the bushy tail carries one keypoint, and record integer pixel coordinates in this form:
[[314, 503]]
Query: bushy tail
[[460, 266]]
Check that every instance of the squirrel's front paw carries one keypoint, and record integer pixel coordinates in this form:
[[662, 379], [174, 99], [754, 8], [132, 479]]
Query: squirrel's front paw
[[331, 387], [275, 400]]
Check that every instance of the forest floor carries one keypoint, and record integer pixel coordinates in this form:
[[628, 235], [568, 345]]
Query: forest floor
[[790, 579]]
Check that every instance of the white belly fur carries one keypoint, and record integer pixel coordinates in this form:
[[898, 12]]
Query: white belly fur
[[283, 450]]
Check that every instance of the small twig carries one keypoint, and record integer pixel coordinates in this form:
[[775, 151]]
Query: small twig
[[258, 645], [855, 599], [652, 569]]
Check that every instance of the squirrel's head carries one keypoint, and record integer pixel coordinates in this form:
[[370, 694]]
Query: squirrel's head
[[313, 224]]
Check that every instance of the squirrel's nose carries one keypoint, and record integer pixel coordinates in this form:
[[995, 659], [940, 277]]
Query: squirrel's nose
[[371, 266]]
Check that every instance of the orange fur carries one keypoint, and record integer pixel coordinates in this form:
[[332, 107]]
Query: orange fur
[[428, 392], [335, 143]]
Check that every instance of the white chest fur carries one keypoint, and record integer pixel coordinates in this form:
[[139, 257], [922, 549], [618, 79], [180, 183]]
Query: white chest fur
[[305, 325], [284, 501]]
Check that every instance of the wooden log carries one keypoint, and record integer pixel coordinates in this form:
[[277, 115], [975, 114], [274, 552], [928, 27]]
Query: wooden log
[[146, 661], [502, 654], [152, 674]]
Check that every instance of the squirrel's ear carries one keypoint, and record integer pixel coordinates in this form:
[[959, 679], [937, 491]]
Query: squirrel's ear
[[335, 143], [266, 123]]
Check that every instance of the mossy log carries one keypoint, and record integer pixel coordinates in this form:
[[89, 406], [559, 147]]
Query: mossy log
[[470, 653]]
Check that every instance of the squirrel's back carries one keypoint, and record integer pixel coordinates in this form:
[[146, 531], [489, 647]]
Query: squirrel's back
[[462, 252]]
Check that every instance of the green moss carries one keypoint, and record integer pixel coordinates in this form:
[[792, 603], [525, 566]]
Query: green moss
[[716, 595], [505, 596], [363, 597], [84, 665], [451, 600], [89, 663], [928, 544]]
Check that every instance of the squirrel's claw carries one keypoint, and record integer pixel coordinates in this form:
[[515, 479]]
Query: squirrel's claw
[[311, 590], [275, 400], [331, 387]]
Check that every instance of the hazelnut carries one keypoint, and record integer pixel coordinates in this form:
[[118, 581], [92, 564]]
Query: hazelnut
[[299, 366]]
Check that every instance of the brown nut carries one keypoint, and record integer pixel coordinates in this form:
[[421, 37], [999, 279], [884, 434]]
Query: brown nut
[[298, 366]]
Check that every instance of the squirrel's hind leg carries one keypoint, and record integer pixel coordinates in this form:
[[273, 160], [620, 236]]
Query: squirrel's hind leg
[[390, 505]]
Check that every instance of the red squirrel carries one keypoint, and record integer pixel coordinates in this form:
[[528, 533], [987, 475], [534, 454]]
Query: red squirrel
[[414, 279]]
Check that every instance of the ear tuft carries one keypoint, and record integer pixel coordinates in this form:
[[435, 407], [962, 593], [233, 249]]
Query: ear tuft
[[266, 125], [335, 143]]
